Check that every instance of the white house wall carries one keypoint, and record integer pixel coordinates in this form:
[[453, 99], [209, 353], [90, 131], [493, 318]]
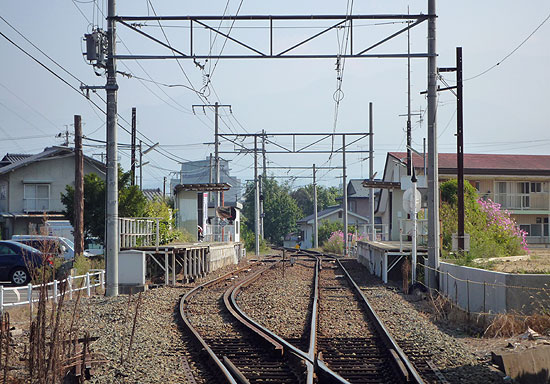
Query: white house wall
[[57, 172]]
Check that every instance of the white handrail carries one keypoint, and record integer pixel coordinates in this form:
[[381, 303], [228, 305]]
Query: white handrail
[[97, 276]]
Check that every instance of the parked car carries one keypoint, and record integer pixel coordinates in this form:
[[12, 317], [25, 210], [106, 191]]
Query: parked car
[[93, 246], [52, 246], [15, 261]]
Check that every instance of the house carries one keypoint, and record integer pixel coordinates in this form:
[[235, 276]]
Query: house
[[31, 187], [359, 198], [331, 214], [520, 183], [153, 194]]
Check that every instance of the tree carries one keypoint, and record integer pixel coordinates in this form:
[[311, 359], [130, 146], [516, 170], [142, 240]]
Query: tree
[[281, 211], [167, 232], [131, 202], [326, 197]]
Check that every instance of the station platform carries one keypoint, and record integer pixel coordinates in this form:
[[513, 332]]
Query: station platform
[[385, 258]]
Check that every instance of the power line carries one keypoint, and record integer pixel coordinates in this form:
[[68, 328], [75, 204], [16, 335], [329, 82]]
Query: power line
[[511, 53]]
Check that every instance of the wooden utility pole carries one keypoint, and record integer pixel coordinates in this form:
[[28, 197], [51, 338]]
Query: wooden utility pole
[[133, 156], [78, 188]]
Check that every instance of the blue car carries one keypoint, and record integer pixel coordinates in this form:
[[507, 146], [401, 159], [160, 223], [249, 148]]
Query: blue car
[[15, 261]]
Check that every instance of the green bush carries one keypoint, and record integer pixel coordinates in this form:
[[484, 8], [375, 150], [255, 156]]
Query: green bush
[[492, 232]]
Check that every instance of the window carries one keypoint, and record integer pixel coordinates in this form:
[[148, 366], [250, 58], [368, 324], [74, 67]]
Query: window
[[526, 228], [36, 197], [5, 250], [536, 187], [353, 206], [340, 214]]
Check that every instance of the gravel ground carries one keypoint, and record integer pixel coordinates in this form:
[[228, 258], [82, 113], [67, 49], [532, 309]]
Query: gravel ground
[[281, 304], [340, 314], [458, 361], [159, 348]]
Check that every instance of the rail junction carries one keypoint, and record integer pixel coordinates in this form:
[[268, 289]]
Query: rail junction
[[242, 349]]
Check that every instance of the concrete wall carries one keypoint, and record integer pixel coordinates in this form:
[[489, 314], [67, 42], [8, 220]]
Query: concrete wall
[[478, 290], [223, 255]]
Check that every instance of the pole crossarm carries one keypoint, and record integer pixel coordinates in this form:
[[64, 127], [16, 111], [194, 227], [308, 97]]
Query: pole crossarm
[[137, 23]]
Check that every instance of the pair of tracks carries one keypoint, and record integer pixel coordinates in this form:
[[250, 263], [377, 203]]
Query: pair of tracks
[[246, 352]]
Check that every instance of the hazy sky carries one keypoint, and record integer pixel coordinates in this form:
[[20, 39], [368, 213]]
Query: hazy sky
[[505, 110]]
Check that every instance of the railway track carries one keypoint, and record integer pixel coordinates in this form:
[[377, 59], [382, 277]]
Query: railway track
[[243, 351], [240, 351]]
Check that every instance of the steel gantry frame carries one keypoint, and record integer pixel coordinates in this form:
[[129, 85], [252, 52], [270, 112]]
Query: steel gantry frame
[[294, 148], [111, 87], [132, 22]]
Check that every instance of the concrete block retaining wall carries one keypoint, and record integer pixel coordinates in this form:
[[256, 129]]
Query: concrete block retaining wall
[[224, 254], [482, 291]]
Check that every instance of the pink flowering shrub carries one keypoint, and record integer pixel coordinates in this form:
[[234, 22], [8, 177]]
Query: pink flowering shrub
[[493, 233], [501, 223], [335, 243]]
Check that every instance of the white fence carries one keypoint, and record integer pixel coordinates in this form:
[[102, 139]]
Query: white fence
[[219, 233], [138, 231], [14, 296]]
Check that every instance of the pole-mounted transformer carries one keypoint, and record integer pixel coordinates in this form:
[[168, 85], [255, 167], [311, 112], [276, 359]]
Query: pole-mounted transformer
[[96, 47]]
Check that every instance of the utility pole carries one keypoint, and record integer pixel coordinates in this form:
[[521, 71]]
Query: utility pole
[[459, 143], [371, 172], [315, 220], [140, 166], [433, 170], [133, 143], [111, 217], [210, 179], [264, 174], [460, 149], [409, 137], [164, 188], [256, 199], [78, 188], [216, 107], [344, 181]]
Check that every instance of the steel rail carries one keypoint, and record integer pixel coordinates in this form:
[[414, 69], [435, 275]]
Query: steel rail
[[399, 356], [183, 303], [320, 367]]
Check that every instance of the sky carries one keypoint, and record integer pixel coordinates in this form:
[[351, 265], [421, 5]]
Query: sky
[[505, 108]]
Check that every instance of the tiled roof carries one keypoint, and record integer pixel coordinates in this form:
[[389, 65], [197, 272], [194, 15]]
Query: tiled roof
[[153, 194], [496, 162], [14, 157]]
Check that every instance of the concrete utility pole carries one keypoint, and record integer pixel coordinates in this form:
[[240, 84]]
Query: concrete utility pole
[[111, 217], [433, 171], [315, 220], [78, 188], [216, 107], [409, 133], [256, 199], [140, 166], [133, 144], [371, 172], [345, 187], [264, 174]]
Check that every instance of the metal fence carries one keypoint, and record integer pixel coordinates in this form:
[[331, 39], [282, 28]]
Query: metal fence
[[138, 231], [219, 233], [15, 296]]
